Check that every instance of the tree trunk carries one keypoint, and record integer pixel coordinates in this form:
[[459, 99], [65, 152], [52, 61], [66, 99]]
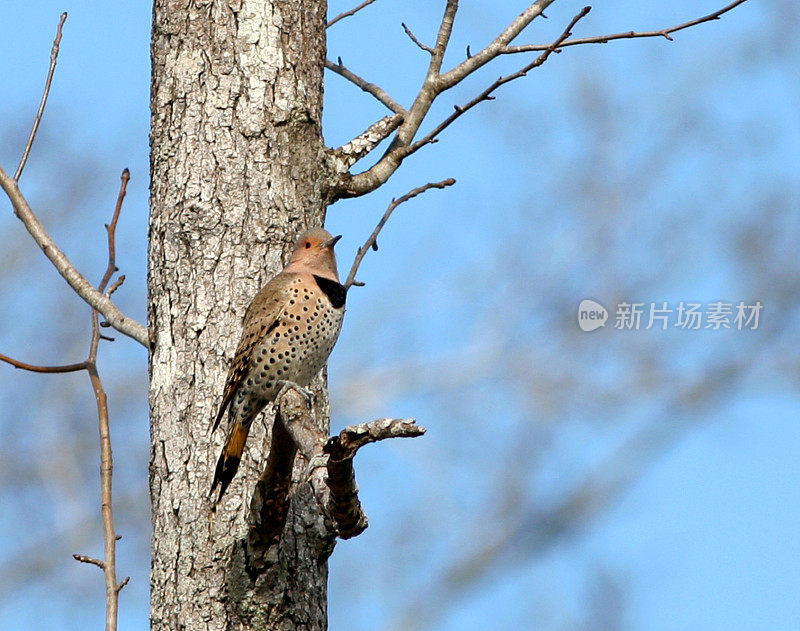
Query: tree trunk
[[237, 173]]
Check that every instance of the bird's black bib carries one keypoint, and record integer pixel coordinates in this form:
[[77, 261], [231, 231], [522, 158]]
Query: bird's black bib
[[335, 292]]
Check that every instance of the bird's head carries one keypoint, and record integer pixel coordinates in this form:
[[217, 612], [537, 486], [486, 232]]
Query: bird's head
[[314, 253]]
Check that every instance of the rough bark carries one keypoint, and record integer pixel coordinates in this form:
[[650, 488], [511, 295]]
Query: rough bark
[[237, 173]]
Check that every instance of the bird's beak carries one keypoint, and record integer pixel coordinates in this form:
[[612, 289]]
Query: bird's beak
[[330, 242]]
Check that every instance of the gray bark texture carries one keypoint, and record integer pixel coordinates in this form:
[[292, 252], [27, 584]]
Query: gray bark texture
[[237, 168]]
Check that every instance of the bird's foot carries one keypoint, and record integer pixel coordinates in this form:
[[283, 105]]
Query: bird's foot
[[307, 394]]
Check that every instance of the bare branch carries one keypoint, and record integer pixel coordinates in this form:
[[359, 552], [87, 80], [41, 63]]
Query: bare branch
[[415, 40], [602, 39], [471, 64], [347, 14], [443, 38], [486, 94], [117, 284], [106, 470], [369, 88], [336, 494], [111, 230], [353, 185], [100, 303], [48, 82], [372, 241], [43, 369], [82, 287], [343, 503], [111, 268], [434, 84], [123, 584], [365, 142], [108, 564], [354, 437], [106, 455], [91, 561]]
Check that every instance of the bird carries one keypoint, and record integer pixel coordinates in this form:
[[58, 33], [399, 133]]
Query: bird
[[288, 332]]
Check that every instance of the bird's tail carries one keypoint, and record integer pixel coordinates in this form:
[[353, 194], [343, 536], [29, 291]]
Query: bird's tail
[[228, 462]]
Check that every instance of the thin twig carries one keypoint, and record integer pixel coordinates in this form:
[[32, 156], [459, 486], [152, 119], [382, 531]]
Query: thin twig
[[44, 369], [117, 284], [106, 456], [40, 113], [370, 88], [415, 40], [347, 14], [106, 470], [111, 230], [372, 241], [90, 560], [602, 39], [486, 95]]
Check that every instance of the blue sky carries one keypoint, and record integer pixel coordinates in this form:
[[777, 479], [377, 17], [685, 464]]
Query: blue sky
[[639, 170]]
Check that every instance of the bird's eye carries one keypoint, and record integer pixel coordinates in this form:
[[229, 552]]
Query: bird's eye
[[308, 244]]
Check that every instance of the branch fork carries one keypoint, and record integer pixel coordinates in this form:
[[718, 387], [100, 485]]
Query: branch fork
[[345, 184]]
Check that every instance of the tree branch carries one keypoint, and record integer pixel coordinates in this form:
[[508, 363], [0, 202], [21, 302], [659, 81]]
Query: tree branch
[[442, 39], [343, 503], [347, 14], [80, 558], [415, 40], [108, 563], [486, 94], [336, 495], [43, 369], [22, 209], [433, 85], [372, 241], [106, 456], [471, 64], [365, 142], [82, 287], [603, 39], [48, 82], [370, 88], [346, 184]]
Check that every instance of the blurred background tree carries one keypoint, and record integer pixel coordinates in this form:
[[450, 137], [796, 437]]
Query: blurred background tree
[[571, 480]]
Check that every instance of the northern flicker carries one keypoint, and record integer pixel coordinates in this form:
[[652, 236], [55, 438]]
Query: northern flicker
[[288, 332]]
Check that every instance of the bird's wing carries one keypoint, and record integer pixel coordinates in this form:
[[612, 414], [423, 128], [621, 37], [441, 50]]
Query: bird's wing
[[266, 310]]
